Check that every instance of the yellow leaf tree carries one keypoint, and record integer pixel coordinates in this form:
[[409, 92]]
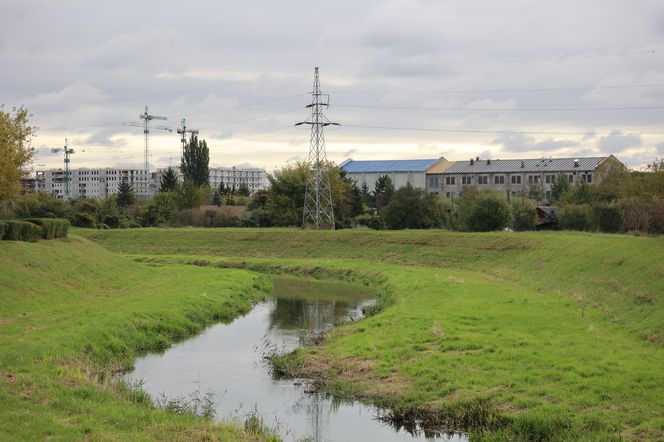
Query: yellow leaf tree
[[15, 149]]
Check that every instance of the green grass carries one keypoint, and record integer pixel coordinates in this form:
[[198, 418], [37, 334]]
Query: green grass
[[73, 314], [539, 336]]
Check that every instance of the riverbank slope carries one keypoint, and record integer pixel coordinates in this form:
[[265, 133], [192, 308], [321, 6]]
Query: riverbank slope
[[72, 314], [545, 336]]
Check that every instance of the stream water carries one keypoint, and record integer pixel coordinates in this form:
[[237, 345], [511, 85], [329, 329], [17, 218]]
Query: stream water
[[225, 361]]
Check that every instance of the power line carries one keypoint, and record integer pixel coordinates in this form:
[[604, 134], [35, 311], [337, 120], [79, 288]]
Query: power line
[[497, 61], [495, 132], [505, 109], [483, 91]]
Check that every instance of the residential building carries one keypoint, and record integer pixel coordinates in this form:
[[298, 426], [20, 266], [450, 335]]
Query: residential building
[[401, 172], [519, 176], [102, 182]]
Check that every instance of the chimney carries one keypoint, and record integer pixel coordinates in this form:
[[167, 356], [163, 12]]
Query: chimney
[[477, 159], [472, 162], [488, 161], [576, 162], [523, 164]]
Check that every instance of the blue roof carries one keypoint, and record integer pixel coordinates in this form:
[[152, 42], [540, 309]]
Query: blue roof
[[383, 166]]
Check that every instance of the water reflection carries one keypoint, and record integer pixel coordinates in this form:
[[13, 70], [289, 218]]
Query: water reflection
[[223, 360]]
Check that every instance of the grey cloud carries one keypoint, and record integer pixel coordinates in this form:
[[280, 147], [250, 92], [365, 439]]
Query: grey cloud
[[660, 149], [528, 143], [616, 141]]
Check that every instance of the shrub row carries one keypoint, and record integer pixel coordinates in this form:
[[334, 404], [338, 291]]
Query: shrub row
[[605, 218], [14, 230], [33, 229], [51, 227]]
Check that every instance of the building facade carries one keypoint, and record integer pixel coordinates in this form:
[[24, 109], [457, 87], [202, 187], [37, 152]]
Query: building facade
[[518, 177], [102, 182], [401, 172]]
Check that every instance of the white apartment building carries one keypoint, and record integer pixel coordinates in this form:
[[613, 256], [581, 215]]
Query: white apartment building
[[254, 177], [102, 182], [94, 183]]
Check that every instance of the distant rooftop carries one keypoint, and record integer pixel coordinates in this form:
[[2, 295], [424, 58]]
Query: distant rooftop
[[385, 166], [525, 165]]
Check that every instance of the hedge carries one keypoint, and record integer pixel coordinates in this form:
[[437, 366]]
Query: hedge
[[577, 217], [21, 231], [3, 225], [51, 227]]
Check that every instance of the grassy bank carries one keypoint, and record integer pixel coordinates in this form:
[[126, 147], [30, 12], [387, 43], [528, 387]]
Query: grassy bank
[[538, 335], [72, 314]]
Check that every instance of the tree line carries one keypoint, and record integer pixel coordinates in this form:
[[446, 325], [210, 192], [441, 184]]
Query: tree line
[[622, 201]]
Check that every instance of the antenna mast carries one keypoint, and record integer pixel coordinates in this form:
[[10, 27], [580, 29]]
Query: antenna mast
[[318, 208], [146, 117]]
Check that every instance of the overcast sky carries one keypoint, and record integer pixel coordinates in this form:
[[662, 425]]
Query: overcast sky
[[498, 79]]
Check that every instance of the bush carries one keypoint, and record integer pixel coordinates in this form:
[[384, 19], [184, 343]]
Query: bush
[[525, 214], [577, 217], [182, 218], [609, 218], [51, 227], [371, 221], [483, 211], [3, 226], [411, 208], [642, 216], [21, 231], [215, 218]]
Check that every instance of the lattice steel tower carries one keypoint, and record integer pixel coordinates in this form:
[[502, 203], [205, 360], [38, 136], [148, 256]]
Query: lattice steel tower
[[318, 208]]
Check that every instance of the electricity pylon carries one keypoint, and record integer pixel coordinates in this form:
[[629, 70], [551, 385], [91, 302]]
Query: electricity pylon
[[66, 178], [318, 208]]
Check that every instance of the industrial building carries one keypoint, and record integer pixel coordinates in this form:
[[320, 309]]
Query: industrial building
[[518, 176], [401, 172]]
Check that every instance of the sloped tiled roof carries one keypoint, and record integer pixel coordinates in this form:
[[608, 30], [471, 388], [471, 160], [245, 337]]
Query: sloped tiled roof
[[381, 166], [526, 165]]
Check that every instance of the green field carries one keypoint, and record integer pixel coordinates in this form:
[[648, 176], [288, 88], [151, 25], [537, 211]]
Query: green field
[[72, 314], [532, 336]]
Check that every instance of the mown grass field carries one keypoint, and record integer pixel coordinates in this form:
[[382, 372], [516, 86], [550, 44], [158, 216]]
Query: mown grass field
[[538, 336], [72, 314]]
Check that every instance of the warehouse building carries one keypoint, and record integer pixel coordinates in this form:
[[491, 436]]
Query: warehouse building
[[401, 172]]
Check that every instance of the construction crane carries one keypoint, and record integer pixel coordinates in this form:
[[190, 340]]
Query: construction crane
[[66, 178], [183, 131], [147, 117]]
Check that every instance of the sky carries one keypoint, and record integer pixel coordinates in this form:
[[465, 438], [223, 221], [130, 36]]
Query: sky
[[407, 79]]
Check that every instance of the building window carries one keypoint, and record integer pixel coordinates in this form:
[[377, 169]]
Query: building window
[[499, 179], [433, 181], [482, 179], [589, 178], [571, 178], [549, 179], [536, 178], [450, 180], [516, 179], [466, 180]]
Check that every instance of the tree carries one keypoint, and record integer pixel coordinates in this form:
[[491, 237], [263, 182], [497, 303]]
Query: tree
[[243, 189], [560, 187], [525, 214], [366, 196], [483, 210], [383, 190], [216, 198], [195, 163], [168, 181], [190, 196], [126, 195], [412, 208], [15, 149]]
